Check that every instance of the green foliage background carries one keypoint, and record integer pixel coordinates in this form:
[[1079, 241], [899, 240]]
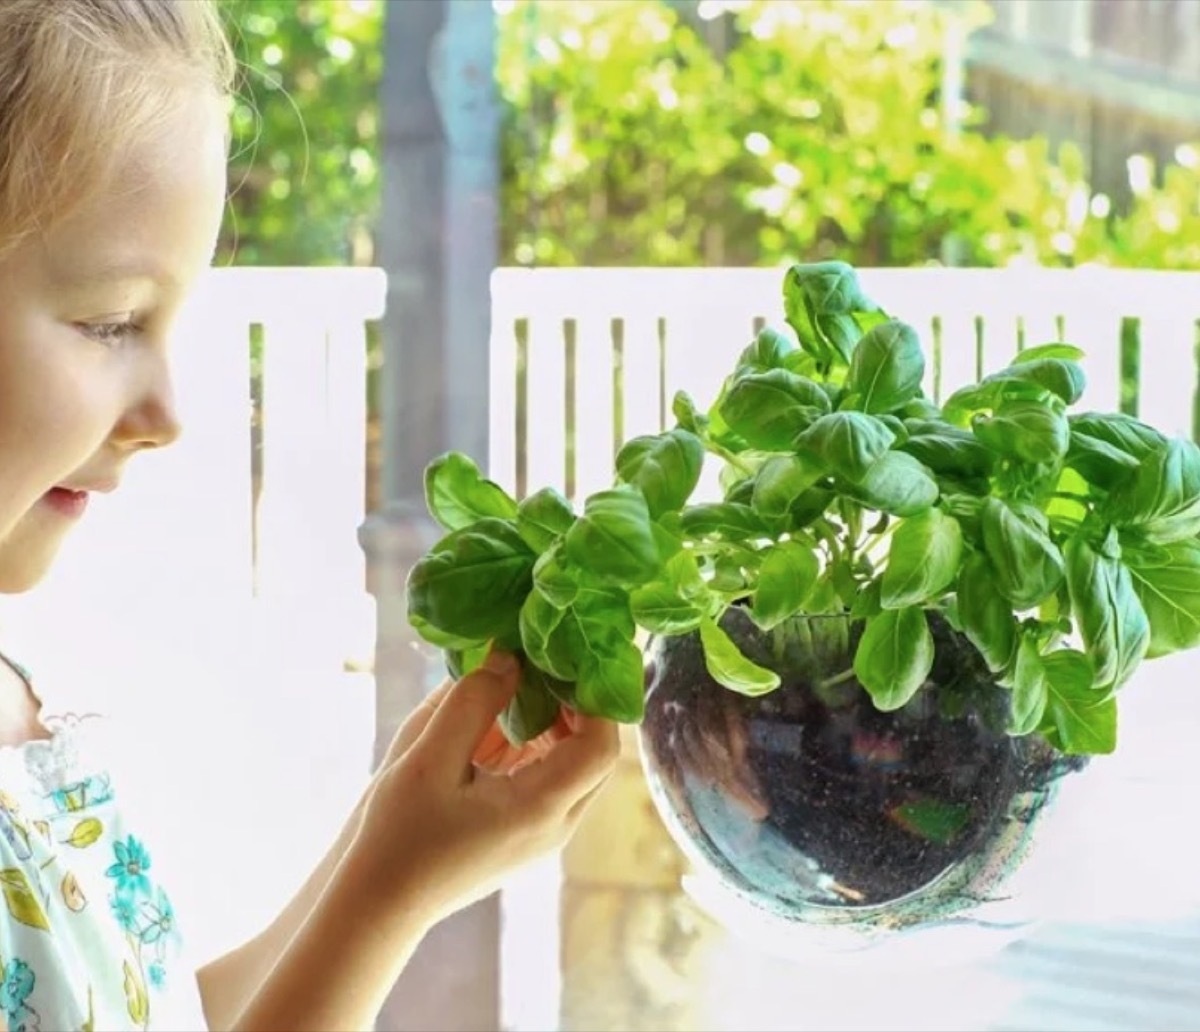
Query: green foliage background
[[634, 134]]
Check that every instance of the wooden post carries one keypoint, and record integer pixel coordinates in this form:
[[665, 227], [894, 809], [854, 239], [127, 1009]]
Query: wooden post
[[437, 242]]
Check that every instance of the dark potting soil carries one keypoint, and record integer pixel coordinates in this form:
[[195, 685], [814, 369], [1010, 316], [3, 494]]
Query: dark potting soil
[[879, 804]]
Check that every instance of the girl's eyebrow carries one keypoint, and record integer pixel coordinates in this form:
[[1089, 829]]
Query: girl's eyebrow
[[117, 269]]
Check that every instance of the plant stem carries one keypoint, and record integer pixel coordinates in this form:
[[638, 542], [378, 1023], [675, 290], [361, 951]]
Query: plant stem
[[836, 679]]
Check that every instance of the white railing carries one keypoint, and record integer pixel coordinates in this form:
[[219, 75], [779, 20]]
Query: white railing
[[585, 357]]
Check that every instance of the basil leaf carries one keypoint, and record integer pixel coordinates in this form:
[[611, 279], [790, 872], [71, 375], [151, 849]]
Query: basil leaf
[[825, 305], [457, 494], [724, 519], [1079, 720], [676, 604], [1169, 589], [1121, 431], [781, 480], [984, 616], [1067, 352], [543, 517], [612, 679], [787, 575], [1062, 377], [532, 710], [1029, 691], [1100, 463], [664, 467], [473, 582], [552, 577], [683, 408], [1025, 430], [613, 539], [894, 656], [947, 450], [1162, 500], [1108, 612], [1026, 563], [923, 559], [847, 443], [770, 350], [542, 640], [887, 367], [897, 484], [728, 666], [769, 409]]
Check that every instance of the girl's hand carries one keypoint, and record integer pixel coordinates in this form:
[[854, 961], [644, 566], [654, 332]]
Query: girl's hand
[[454, 808]]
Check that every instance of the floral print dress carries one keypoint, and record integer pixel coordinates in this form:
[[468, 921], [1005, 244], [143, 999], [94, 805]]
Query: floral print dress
[[88, 937]]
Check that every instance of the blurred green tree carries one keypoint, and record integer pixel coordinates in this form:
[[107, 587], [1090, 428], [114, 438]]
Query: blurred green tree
[[304, 177]]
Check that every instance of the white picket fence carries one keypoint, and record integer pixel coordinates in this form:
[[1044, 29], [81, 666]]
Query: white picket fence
[[632, 337]]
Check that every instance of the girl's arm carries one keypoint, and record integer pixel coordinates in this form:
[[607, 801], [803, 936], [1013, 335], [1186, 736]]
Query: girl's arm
[[228, 983], [435, 834]]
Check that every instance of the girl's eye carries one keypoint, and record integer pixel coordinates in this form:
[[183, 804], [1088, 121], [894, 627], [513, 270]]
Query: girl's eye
[[110, 334]]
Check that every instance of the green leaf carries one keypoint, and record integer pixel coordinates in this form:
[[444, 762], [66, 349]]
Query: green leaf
[[897, 484], [540, 623], [472, 583], [1168, 585], [729, 667], [786, 577], [1027, 565], [552, 577], [946, 449], [887, 367], [683, 408], [1079, 720], [808, 507], [1029, 692], [771, 350], [724, 519], [1121, 431], [931, 819], [457, 494], [612, 680], [781, 480], [1108, 612], [985, 616], [1025, 430], [543, 517], [923, 559], [894, 656], [442, 639], [613, 539], [1067, 352], [1162, 500], [1100, 463], [825, 305], [1062, 377], [847, 443], [869, 601], [674, 603], [769, 409], [664, 467], [533, 709]]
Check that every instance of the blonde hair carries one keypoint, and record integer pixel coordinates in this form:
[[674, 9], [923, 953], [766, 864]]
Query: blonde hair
[[81, 81]]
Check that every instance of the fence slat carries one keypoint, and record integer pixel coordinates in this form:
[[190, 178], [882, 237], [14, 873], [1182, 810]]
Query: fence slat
[[545, 396], [594, 412], [502, 388], [1167, 374], [641, 377]]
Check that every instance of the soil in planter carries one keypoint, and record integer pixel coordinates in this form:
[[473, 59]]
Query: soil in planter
[[811, 794]]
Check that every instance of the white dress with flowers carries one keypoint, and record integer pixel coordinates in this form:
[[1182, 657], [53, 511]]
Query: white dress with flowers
[[88, 937]]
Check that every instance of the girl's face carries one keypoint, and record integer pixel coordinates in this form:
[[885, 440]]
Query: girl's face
[[86, 312]]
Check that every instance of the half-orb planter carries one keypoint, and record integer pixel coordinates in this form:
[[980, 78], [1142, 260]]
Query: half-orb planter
[[820, 823]]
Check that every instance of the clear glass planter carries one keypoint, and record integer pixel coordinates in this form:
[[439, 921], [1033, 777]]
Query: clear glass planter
[[817, 824]]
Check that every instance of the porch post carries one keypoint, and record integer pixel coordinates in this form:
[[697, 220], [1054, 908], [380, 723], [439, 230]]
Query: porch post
[[438, 244]]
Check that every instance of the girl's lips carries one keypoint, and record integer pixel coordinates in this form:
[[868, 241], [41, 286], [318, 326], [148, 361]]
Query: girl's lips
[[66, 502]]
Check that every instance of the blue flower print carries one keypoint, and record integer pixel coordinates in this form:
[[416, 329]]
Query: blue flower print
[[157, 975], [130, 869], [16, 987], [158, 917], [125, 911]]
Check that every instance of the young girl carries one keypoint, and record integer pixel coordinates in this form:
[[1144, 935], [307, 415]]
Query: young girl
[[112, 184]]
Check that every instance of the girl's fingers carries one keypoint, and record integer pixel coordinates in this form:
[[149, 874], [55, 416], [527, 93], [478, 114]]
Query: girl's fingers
[[468, 713], [416, 722], [575, 766]]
